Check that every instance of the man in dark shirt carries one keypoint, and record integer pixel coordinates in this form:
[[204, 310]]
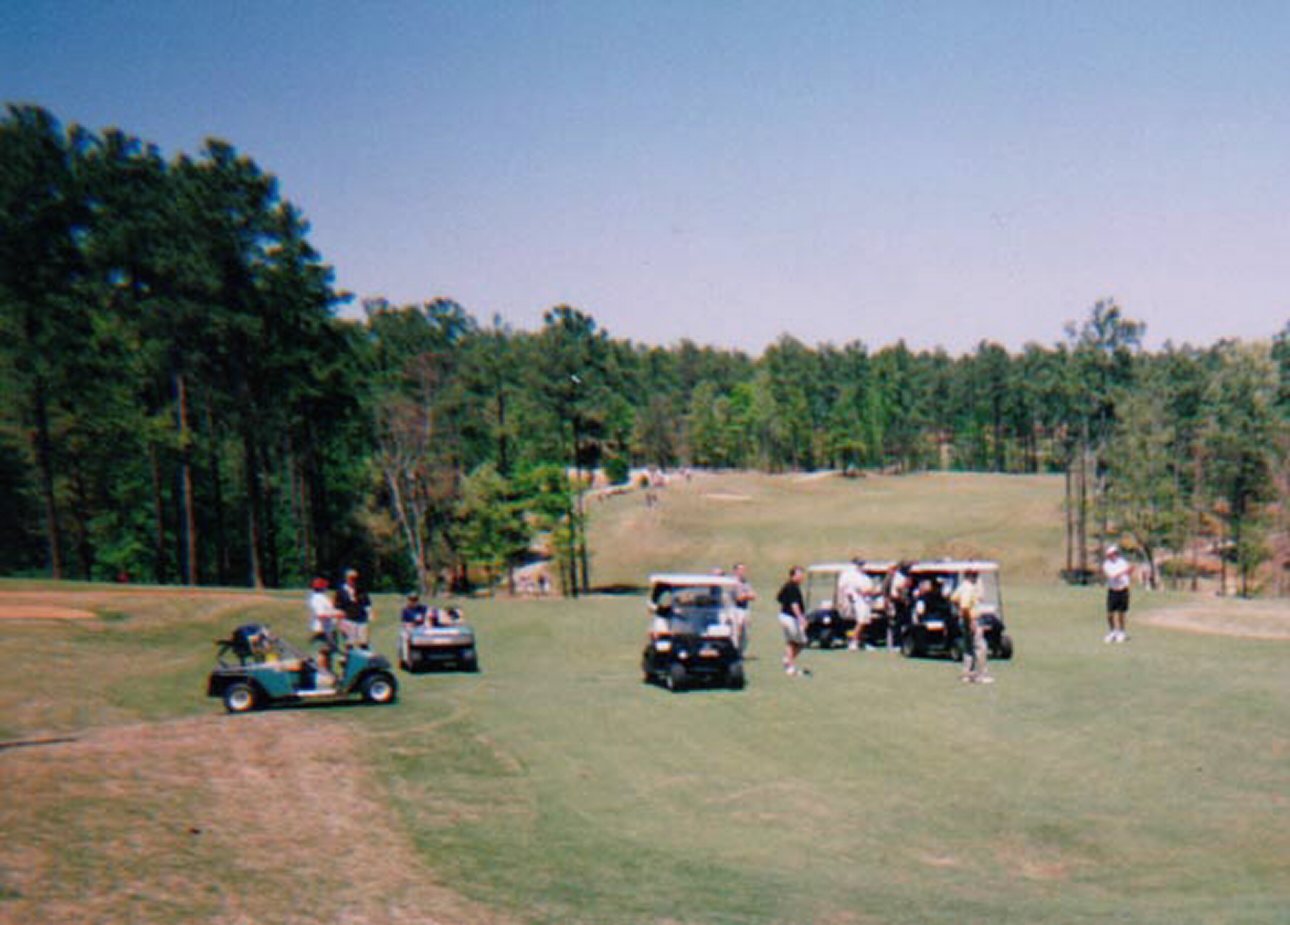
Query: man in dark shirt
[[354, 603], [792, 618]]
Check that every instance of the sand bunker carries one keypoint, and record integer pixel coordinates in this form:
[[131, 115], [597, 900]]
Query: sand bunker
[[20, 611], [1247, 619]]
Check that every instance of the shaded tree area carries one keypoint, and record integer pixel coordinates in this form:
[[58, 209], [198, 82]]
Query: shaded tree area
[[176, 387], [183, 405]]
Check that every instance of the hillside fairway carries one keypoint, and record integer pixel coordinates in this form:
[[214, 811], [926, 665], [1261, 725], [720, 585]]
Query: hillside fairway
[[1147, 782], [771, 522]]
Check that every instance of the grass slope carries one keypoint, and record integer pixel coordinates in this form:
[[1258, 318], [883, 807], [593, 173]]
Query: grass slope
[[771, 522], [1146, 782]]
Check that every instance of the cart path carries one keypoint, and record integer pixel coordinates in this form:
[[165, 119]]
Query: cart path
[[267, 817]]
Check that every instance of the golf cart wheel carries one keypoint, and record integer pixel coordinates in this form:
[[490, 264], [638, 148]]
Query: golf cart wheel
[[956, 650], [239, 697], [471, 664], [379, 688], [909, 646], [676, 677], [1005, 647], [735, 678]]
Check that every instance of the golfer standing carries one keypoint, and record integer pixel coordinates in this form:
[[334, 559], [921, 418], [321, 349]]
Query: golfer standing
[[744, 596], [353, 601], [967, 598], [1119, 575], [792, 618]]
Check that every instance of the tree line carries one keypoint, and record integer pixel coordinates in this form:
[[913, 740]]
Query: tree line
[[183, 404]]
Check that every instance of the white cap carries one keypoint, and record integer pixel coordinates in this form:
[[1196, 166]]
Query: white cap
[[1113, 550]]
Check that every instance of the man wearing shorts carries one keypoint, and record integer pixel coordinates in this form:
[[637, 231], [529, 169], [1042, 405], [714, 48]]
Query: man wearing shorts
[[744, 596], [1119, 575], [792, 618], [353, 601], [967, 599], [853, 593]]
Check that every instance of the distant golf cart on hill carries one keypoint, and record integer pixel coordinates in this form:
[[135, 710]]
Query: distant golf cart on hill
[[692, 638]]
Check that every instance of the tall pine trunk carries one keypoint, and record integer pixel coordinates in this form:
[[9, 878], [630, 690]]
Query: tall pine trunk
[[45, 465], [187, 505], [160, 570], [254, 514]]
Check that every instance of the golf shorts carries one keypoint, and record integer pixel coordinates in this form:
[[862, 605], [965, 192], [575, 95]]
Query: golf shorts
[[1117, 601], [357, 633], [792, 629]]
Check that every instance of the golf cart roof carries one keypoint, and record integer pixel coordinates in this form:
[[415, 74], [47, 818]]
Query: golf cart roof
[[682, 580], [955, 566], [827, 568]]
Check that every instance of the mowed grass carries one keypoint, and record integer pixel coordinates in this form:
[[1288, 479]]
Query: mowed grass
[[1147, 782], [771, 522]]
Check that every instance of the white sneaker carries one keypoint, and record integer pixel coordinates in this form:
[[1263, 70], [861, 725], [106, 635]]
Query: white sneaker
[[1121, 636], [790, 670], [1109, 637], [853, 647], [985, 679]]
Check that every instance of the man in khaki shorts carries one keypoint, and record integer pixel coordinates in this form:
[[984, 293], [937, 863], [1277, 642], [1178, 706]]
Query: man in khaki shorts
[[792, 619], [967, 598]]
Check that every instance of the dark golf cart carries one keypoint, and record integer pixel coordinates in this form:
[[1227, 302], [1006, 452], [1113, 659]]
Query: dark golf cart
[[935, 628], [441, 640], [692, 637], [826, 625], [258, 668]]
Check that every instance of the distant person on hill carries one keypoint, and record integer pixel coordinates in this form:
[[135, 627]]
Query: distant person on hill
[[744, 596], [792, 618], [1119, 575]]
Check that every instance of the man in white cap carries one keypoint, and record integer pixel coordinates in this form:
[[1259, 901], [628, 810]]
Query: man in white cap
[[1119, 575]]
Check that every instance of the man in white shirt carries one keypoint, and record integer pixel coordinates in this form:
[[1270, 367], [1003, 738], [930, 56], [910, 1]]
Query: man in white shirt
[[854, 590], [1119, 575]]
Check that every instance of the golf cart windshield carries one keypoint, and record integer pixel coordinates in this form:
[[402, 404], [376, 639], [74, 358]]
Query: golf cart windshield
[[949, 579], [693, 610]]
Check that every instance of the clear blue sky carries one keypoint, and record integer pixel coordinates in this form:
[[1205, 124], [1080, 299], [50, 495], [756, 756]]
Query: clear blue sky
[[945, 172]]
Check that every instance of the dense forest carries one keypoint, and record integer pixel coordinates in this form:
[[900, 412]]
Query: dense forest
[[182, 402]]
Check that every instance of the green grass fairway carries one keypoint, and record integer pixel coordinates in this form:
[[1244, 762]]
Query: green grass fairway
[[1147, 782]]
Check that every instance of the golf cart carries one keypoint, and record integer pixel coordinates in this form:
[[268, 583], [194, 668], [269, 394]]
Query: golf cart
[[257, 668], [935, 627], [826, 625], [441, 640], [692, 638]]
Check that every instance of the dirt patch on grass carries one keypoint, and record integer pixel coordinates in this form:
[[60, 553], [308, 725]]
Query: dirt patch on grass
[[11, 610], [265, 818], [1249, 619]]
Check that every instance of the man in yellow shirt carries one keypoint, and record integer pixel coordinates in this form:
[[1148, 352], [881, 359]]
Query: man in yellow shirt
[[967, 598]]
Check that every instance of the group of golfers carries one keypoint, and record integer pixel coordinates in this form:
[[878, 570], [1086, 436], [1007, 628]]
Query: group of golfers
[[856, 591]]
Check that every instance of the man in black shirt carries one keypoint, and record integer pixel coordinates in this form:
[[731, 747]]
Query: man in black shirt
[[357, 608], [792, 617]]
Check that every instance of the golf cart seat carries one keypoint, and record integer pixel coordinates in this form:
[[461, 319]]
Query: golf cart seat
[[249, 642]]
